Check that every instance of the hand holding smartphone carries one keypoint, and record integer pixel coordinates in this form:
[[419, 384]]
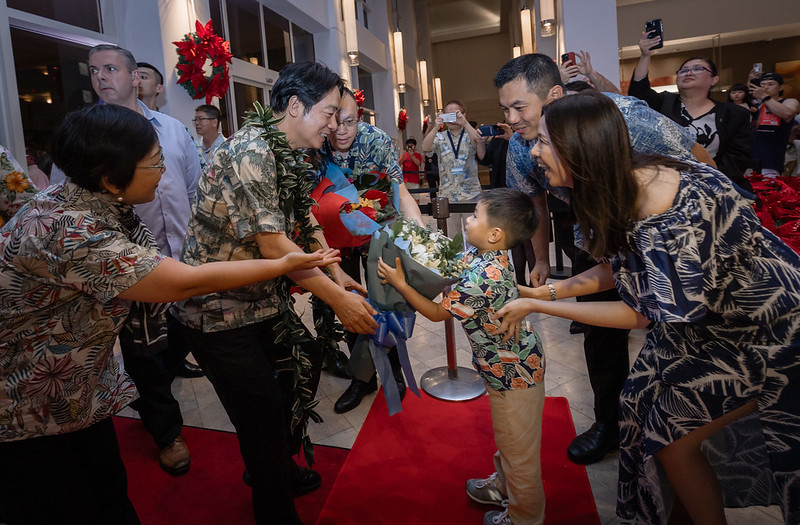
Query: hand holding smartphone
[[490, 130], [448, 117], [569, 57], [654, 28]]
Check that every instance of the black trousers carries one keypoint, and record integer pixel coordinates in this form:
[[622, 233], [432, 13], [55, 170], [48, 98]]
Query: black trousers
[[153, 376], [76, 478], [605, 349], [252, 377]]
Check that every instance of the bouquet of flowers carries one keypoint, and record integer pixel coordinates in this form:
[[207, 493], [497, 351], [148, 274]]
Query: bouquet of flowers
[[431, 261], [350, 211]]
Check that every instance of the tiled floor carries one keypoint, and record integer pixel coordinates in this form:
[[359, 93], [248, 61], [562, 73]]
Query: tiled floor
[[566, 376]]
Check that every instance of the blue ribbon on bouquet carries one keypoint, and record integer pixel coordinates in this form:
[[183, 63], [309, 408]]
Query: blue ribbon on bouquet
[[394, 328]]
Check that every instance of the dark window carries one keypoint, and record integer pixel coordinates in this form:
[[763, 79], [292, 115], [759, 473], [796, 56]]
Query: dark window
[[365, 83], [279, 50], [52, 80], [216, 17], [245, 95], [81, 13], [303, 44], [245, 37]]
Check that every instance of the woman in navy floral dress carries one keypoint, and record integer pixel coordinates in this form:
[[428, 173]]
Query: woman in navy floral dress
[[710, 412]]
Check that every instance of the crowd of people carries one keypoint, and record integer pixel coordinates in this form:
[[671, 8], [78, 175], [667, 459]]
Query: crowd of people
[[171, 245]]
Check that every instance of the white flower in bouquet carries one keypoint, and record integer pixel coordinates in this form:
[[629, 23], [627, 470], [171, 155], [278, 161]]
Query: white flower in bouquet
[[433, 250]]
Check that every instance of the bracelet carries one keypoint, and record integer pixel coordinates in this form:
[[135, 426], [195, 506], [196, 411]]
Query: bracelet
[[552, 291], [765, 99]]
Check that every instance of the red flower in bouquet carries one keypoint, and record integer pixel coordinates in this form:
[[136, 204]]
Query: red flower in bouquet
[[193, 52], [377, 195], [402, 119]]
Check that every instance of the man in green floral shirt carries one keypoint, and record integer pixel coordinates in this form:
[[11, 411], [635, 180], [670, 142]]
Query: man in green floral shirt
[[237, 215]]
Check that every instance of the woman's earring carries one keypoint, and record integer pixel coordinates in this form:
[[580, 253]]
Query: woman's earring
[[119, 198]]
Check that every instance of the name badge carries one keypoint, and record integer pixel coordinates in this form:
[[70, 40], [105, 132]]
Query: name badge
[[457, 172]]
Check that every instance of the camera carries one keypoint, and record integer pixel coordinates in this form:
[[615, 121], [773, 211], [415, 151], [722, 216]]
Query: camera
[[490, 130], [568, 57], [655, 28], [448, 117]]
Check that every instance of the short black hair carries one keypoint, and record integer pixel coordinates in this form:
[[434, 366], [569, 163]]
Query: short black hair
[[208, 109], [538, 70], [127, 56], [411, 141], [577, 86], [513, 212], [104, 140], [154, 68], [308, 81]]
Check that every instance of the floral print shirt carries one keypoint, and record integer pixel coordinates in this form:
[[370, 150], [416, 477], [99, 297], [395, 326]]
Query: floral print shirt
[[372, 150], [64, 259], [237, 198], [458, 174], [15, 186], [485, 288]]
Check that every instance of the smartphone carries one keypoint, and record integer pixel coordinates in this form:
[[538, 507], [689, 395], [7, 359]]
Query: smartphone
[[448, 117], [490, 130], [655, 28], [568, 57], [758, 67]]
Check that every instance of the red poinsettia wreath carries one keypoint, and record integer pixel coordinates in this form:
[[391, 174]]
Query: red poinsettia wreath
[[193, 52], [402, 119]]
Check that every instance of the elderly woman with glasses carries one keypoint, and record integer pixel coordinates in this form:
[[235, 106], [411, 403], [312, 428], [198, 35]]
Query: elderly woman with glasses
[[73, 262], [722, 128]]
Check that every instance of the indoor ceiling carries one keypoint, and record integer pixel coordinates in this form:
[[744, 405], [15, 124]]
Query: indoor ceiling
[[456, 19]]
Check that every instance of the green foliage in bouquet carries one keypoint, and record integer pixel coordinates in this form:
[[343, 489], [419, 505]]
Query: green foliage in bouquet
[[432, 249]]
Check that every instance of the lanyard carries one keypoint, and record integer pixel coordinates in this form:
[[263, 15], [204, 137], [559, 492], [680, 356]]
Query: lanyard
[[455, 149]]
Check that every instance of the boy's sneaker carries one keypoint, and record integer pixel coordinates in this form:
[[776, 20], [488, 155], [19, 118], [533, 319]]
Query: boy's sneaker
[[498, 517], [486, 491]]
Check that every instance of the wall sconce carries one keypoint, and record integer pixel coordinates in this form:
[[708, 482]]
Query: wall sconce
[[527, 18], [516, 51], [350, 30], [437, 90], [548, 13], [399, 63], [423, 81]]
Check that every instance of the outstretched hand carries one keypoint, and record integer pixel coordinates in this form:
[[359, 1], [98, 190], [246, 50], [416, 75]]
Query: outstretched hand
[[306, 261], [393, 276], [512, 315]]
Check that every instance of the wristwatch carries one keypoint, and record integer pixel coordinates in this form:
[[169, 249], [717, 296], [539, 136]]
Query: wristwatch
[[552, 291]]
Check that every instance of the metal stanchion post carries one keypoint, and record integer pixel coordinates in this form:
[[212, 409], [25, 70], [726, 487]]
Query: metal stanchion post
[[450, 383]]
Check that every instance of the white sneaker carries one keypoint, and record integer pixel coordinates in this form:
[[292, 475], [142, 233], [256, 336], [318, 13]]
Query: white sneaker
[[486, 491], [498, 517]]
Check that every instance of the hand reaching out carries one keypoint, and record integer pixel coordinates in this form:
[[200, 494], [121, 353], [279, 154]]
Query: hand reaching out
[[393, 276], [306, 261], [513, 315]]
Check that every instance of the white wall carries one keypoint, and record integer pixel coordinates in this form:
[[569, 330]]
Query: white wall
[[591, 25]]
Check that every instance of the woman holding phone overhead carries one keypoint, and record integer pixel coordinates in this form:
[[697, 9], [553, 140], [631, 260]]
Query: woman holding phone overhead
[[722, 128], [712, 398], [72, 261]]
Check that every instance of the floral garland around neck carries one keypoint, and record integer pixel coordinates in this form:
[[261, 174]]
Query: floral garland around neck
[[294, 188]]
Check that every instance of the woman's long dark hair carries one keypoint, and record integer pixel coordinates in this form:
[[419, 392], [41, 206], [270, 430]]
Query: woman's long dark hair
[[591, 139]]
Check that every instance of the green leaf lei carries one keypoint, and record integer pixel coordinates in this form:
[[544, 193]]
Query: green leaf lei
[[294, 188]]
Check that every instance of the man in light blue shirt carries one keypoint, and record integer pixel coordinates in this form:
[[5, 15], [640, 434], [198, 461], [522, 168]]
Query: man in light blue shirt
[[153, 355]]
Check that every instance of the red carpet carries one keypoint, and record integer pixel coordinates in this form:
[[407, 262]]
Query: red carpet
[[411, 468], [212, 492]]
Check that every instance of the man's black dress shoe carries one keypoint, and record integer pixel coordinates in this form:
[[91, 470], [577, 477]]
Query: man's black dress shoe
[[592, 446], [354, 394], [338, 366], [304, 480], [189, 370]]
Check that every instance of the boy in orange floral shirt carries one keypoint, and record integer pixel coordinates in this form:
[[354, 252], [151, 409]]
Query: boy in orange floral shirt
[[513, 371]]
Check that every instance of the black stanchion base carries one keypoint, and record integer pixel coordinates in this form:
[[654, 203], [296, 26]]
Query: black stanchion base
[[564, 273]]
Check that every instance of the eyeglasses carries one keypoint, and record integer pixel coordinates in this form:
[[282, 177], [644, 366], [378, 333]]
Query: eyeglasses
[[696, 70], [351, 123], [160, 166], [202, 119]]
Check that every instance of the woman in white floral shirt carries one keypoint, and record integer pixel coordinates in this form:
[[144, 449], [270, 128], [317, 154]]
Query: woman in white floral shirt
[[15, 186], [71, 261]]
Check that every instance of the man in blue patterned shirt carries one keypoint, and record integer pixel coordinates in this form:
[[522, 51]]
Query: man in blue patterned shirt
[[513, 371], [363, 148], [525, 84]]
